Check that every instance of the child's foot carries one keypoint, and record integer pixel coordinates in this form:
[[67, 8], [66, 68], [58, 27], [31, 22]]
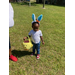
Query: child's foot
[[32, 54], [38, 56], [13, 58]]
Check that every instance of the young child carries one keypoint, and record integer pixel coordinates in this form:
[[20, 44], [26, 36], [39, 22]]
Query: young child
[[35, 35]]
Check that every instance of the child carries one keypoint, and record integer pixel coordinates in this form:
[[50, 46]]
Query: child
[[35, 35], [11, 24]]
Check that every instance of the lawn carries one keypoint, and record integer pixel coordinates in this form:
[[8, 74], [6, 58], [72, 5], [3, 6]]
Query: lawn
[[52, 54]]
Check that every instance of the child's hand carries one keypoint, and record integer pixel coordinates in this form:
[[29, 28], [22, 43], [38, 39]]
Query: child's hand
[[25, 38], [43, 43]]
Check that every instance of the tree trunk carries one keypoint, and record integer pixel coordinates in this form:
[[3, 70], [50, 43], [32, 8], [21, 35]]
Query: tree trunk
[[43, 3]]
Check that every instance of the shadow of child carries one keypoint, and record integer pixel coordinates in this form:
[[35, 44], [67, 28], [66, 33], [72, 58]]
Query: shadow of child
[[19, 53]]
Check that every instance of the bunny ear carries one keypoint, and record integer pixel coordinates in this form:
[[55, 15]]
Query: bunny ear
[[33, 17], [40, 17]]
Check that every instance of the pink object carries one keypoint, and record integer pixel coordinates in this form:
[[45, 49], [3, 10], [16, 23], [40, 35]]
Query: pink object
[[13, 58], [26, 41], [38, 56]]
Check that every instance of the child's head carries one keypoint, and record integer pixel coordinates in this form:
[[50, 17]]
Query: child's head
[[36, 22], [35, 26]]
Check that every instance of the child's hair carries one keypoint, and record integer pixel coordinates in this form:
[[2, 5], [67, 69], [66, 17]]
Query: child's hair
[[34, 23]]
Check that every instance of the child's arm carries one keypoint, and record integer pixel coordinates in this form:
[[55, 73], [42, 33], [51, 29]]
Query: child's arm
[[42, 40], [26, 37]]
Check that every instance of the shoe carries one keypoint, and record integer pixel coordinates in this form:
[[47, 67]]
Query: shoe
[[38, 56], [32, 54], [13, 58]]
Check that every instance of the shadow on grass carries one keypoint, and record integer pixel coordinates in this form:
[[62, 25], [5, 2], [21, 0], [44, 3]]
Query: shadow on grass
[[20, 53]]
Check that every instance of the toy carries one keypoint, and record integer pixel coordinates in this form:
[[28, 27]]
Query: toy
[[27, 44], [38, 19]]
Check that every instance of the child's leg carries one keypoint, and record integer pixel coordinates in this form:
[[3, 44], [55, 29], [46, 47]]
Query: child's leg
[[33, 48], [10, 54], [38, 48], [9, 48]]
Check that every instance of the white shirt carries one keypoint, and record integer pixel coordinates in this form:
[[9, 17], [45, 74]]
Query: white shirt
[[35, 36], [11, 15]]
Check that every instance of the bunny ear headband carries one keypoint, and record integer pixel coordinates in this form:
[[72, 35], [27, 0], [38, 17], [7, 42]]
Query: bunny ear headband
[[38, 19]]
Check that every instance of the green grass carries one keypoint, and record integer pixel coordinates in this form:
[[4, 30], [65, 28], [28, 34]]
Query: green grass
[[52, 57]]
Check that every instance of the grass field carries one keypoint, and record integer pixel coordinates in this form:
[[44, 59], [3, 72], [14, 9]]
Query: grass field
[[52, 54]]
